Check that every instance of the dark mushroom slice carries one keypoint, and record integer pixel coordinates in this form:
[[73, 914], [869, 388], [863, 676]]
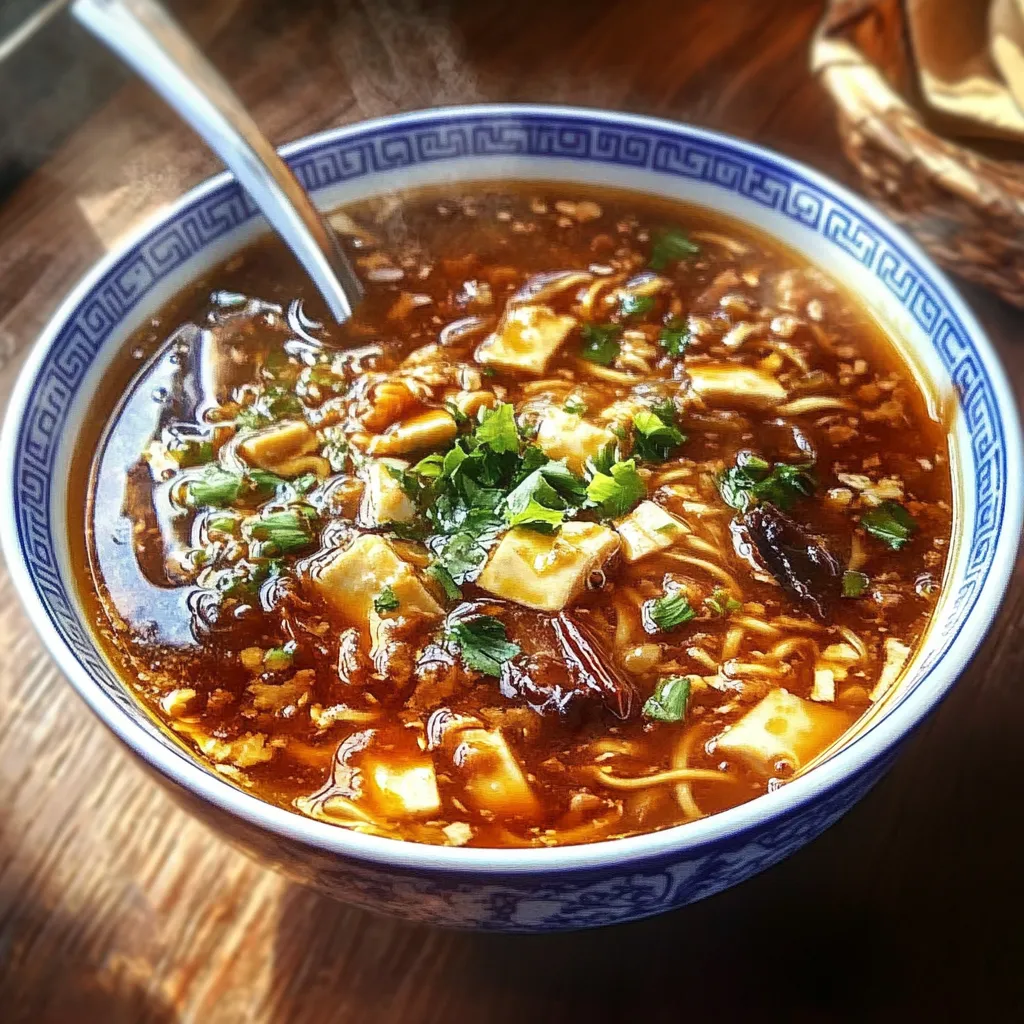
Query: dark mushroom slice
[[801, 563]]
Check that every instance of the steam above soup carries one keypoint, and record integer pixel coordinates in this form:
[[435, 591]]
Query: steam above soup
[[602, 515]]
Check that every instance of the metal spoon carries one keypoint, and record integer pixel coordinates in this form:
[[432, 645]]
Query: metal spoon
[[145, 36]]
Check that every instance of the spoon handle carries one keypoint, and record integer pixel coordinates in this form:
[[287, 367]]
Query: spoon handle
[[144, 35]]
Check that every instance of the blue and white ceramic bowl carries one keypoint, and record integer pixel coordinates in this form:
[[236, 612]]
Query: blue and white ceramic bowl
[[538, 889]]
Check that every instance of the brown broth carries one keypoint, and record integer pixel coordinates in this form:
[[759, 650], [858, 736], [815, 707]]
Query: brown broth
[[290, 732]]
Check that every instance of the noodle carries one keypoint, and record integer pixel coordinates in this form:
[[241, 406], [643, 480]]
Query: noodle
[[660, 778], [713, 570], [680, 759], [755, 625], [733, 641]]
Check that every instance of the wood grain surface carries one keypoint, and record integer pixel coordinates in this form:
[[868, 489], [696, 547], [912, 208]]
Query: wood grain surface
[[116, 907]]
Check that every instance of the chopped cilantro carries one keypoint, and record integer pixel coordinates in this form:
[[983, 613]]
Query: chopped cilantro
[[541, 499], [463, 550], [483, 643], [498, 429], [657, 436], [753, 479], [385, 601], [600, 343], [575, 406], [618, 491], [854, 583], [635, 305], [412, 529], [891, 523], [675, 337], [439, 573], [670, 611], [252, 418], [671, 246], [669, 700], [537, 517], [190, 452], [279, 659], [722, 603], [461, 419]]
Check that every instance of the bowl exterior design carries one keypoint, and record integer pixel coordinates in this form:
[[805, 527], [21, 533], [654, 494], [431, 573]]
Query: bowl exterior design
[[559, 889], [552, 901]]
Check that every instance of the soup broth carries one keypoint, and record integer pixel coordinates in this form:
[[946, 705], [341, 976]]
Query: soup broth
[[601, 515]]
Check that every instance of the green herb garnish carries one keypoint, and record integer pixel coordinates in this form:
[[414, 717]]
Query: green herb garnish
[[670, 246], [669, 700], [498, 429], [190, 452], [600, 343], [854, 583], [574, 406], [671, 611], [483, 643], [385, 601], [283, 533], [214, 487], [722, 603], [439, 573], [891, 523], [618, 491], [753, 479], [657, 436], [675, 337], [635, 305], [278, 659]]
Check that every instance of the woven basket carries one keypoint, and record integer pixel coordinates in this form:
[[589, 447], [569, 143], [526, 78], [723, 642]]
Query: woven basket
[[966, 207]]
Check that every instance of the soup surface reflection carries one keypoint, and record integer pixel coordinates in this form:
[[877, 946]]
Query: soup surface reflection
[[601, 516]]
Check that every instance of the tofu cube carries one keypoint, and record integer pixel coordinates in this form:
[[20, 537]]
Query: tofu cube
[[526, 339], [272, 449], [736, 385], [564, 435], [383, 499], [491, 777], [547, 571], [352, 577], [648, 528], [783, 728], [404, 790]]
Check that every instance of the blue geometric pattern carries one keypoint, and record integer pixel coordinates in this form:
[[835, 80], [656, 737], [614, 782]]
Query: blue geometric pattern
[[670, 150]]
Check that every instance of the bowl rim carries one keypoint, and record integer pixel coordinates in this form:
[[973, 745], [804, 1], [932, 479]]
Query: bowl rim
[[677, 841]]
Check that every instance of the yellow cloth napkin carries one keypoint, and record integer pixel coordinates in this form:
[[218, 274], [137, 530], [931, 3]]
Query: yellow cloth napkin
[[955, 45]]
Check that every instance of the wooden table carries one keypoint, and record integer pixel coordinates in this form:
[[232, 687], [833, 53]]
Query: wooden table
[[115, 906]]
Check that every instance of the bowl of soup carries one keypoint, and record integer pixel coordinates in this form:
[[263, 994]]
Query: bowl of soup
[[658, 488]]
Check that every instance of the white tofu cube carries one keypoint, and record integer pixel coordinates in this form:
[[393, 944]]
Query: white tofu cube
[[403, 791], [564, 435], [896, 656], [272, 449], [547, 571], [648, 528], [352, 577], [782, 728], [526, 339], [736, 385], [383, 499], [491, 777]]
